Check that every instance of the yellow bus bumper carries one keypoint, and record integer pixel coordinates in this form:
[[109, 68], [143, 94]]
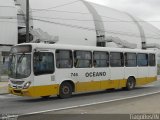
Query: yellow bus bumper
[[35, 91]]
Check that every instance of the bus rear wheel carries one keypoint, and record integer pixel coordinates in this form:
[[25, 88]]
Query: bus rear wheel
[[130, 85], [65, 90]]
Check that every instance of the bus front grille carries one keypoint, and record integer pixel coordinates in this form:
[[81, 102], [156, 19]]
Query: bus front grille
[[17, 91], [17, 82]]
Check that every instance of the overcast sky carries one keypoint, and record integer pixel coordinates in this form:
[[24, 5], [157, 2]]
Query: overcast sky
[[148, 10]]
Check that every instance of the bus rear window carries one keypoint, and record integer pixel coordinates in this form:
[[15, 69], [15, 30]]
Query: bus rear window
[[142, 59], [152, 60]]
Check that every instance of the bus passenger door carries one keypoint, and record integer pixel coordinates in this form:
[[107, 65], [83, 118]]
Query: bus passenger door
[[143, 71], [88, 79], [152, 68], [44, 68], [116, 69]]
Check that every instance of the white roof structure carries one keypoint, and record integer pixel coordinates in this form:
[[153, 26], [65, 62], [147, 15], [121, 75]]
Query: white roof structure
[[84, 23], [78, 22]]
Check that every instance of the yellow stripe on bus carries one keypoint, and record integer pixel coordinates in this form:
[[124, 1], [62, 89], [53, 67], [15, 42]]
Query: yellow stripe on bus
[[37, 91]]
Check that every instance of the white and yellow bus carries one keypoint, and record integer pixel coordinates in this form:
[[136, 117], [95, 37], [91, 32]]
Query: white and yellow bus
[[42, 70]]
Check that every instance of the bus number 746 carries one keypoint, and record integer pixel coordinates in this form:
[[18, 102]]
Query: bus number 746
[[74, 74]]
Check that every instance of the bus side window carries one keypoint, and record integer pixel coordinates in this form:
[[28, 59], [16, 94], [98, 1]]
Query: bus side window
[[130, 59], [142, 59], [101, 59], [64, 59], [116, 59], [43, 63], [83, 59], [152, 60]]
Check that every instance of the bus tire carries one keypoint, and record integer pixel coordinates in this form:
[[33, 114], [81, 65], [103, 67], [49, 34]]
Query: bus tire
[[65, 90], [131, 82]]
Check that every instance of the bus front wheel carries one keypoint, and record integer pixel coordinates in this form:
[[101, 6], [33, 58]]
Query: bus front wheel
[[130, 85], [65, 90]]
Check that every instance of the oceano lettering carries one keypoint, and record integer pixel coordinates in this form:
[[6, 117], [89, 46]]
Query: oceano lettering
[[95, 74]]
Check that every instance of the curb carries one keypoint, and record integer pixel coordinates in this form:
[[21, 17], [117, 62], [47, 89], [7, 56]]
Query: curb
[[4, 93]]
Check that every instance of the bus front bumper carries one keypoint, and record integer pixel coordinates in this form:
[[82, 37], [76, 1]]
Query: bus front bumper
[[35, 91], [20, 92]]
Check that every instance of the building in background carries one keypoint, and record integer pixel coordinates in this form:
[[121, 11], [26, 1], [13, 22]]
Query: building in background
[[8, 28], [85, 23], [74, 22]]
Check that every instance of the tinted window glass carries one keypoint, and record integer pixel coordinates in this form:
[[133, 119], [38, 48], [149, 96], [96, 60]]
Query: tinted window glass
[[64, 59], [116, 59], [83, 59], [130, 59], [152, 60], [142, 59], [101, 59], [43, 63]]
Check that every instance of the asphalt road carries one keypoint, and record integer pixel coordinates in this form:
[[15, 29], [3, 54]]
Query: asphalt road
[[10, 104]]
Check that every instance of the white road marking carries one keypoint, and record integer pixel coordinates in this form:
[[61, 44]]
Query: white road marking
[[89, 104], [149, 86]]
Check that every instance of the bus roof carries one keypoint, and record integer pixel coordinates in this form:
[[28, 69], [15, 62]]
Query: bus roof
[[80, 47]]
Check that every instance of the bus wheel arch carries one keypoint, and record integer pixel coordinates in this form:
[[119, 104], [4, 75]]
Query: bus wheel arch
[[66, 88], [131, 83]]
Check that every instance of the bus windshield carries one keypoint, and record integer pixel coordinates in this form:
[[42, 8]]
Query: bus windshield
[[20, 65]]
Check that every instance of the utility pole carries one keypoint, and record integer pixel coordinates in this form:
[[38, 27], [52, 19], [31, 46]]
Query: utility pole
[[27, 21]]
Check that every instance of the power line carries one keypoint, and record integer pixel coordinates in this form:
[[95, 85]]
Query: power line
[[86, 28], [8, 21], [6, 17], [62, 11], [87, 20], [96, 21], [90, 14], [46, 10], [38, 10], [93, 29], [2, 17]]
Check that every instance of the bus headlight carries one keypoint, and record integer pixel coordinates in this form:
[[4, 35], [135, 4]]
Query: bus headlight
[[26, 86]]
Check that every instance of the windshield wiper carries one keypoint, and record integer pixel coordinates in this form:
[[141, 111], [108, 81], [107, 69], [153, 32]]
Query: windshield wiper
[[19, 61], [20, 58]]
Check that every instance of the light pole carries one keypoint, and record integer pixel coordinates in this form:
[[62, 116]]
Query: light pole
[[27, 21]]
